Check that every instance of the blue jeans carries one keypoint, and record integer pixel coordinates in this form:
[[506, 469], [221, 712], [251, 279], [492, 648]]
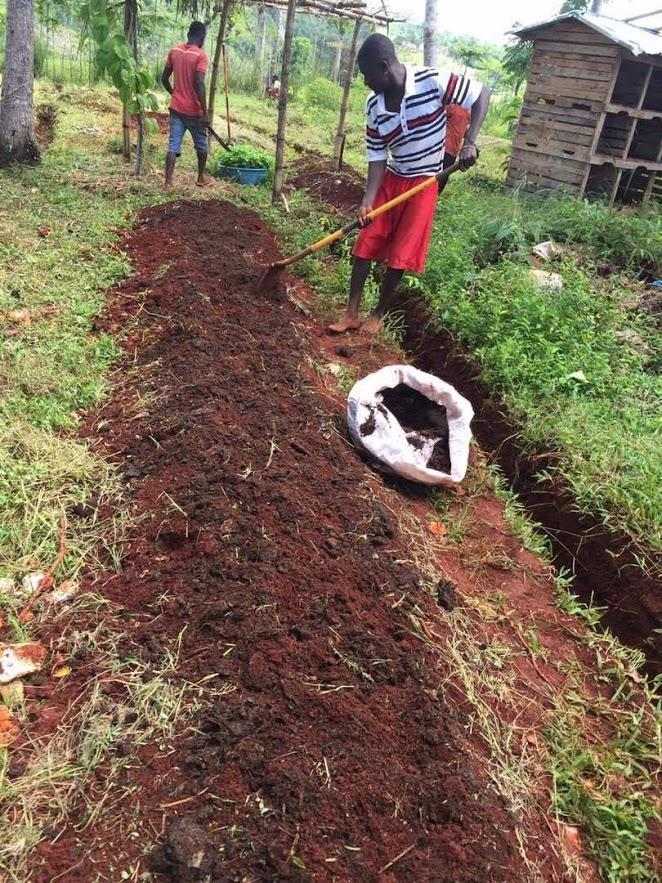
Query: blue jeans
[[178, 128]]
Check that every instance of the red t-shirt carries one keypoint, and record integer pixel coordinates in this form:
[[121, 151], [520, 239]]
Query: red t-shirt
[[186, 60], [457, 123]]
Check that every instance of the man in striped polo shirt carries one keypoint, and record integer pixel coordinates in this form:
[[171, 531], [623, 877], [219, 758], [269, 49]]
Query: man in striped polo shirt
[[406, 132]]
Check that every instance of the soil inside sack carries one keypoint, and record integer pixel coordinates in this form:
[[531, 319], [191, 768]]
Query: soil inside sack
[[417, 413]]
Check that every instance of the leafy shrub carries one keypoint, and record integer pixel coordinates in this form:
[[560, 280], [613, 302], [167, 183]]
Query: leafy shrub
[[321, 94], [244, 156], [502, 116]]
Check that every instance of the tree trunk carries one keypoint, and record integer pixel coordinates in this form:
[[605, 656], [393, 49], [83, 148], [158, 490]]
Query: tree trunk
[[259, 49], [131, 36], [340, 134], [17, 141], [277, 40], [430, 32], [282, 101], [222, 27], [226, 84], [335, 73]]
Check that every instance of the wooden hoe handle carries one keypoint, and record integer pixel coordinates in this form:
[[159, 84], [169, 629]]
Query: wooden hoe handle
[[375, 213]]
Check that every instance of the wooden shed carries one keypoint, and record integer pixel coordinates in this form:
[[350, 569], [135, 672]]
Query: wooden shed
[[591, 122]]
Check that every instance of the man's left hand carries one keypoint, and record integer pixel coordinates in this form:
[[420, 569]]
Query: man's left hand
[[468, 156]]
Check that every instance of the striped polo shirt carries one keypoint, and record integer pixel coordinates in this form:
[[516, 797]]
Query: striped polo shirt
[[412, 140]]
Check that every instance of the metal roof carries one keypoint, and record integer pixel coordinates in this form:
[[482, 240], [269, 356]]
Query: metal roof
[[640, 41]]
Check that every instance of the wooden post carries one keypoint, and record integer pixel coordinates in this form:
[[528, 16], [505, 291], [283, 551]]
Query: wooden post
[[335, 73], [282, 102], [340, 134], [653, 177], [260, 32], [217, 59], [226, 77], [275, 43], [130, 36]]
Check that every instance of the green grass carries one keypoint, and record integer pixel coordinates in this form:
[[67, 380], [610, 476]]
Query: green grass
[[556, 357], [51, 371], [54, 368]]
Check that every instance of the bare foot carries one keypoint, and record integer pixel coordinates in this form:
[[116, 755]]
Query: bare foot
[[204, 182], [347, 323], [167, 186], [371, 325]]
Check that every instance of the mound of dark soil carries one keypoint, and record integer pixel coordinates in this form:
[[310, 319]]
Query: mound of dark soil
[[341, 190], [331, 753], [417, 413]]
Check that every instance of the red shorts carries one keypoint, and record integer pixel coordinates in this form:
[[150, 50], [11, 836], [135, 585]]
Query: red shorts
[[400, 238]]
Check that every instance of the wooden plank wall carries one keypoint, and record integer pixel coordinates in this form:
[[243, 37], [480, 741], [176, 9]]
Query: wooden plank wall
[[570, 81]]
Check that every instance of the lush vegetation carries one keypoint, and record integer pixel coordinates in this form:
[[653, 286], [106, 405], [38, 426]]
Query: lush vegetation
[[577, 366], [244, 156]]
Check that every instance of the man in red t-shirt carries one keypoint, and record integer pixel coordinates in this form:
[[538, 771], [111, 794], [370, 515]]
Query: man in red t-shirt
[[188, 107]]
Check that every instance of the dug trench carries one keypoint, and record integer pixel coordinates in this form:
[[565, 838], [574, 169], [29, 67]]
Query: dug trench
[[258, 553], [605, 562]]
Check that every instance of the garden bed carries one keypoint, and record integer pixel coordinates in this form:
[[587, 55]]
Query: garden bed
[[333, 752]]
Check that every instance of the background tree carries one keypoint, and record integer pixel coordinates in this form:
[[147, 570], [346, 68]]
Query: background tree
[[516, 60], [430, 33], [574, 5], [17, 142], [470, 55]]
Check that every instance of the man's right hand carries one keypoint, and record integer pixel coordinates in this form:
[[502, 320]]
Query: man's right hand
[[364, 210]]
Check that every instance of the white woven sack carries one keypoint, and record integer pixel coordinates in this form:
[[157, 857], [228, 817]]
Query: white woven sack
[[388, 443]]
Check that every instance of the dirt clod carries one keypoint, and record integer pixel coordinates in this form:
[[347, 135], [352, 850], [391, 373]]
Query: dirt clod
[[187, 854], [345, 352], [447, 594]]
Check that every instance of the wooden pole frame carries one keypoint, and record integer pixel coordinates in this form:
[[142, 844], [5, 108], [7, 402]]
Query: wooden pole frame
[[260, 34], [226, 78], [222, 27], [340, 134], [282, 102]]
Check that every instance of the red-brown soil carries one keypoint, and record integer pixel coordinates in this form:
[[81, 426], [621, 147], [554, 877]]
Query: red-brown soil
[[45, 128], [162, 120], [260, 550], [342, 191]]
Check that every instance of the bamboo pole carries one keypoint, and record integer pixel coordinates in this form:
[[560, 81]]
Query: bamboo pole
[[282, 102], [261, 23], [222, 26], [340, 134], [226, 77], [129, 34]]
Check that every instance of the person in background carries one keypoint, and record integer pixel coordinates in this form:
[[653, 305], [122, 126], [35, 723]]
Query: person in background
[[457, 123], [188, 106], [406, 133], [273, 91]]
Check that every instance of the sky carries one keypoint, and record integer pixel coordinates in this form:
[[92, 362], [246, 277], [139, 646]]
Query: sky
[[489, 20]]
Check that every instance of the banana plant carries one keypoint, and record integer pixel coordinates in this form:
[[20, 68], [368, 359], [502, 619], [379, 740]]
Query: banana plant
[[116, 54]]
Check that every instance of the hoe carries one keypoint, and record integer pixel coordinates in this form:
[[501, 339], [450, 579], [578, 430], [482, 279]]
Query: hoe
[[269, 279]]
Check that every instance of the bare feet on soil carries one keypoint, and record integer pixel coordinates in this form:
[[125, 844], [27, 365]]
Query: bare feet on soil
[[371, 325], [204, 182], [347, 323]]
